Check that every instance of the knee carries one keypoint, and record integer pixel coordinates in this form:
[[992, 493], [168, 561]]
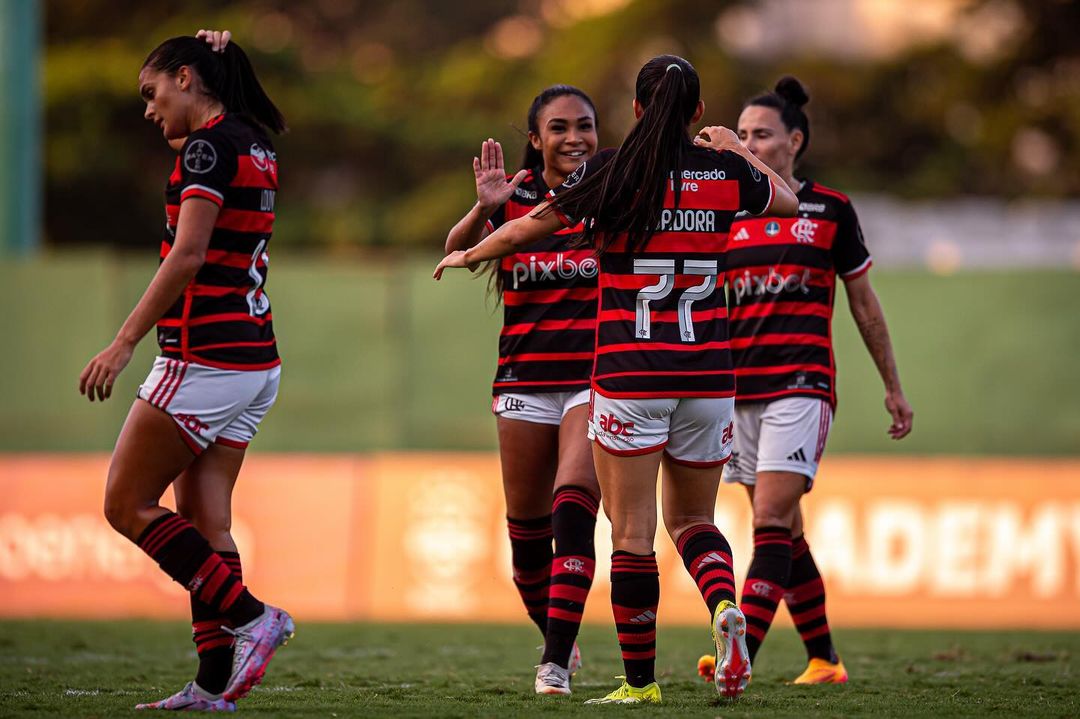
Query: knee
[[120, 513]]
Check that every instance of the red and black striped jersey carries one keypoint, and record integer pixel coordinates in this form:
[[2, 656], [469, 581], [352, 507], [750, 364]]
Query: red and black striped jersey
[[662, 325], [223, 317], [549, 305], [781, 283]]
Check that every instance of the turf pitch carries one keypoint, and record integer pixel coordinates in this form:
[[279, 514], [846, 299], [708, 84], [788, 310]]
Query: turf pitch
[[98, 669]]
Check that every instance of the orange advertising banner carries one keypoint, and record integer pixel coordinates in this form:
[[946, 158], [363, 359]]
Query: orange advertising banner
[[905, 542]]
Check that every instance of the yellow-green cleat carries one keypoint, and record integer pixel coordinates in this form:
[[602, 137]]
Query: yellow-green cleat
[[732, 665], [627, 694]]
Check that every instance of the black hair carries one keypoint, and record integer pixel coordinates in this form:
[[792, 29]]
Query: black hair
[[627, 194], [788, 99], [227, 76], [535, 158]]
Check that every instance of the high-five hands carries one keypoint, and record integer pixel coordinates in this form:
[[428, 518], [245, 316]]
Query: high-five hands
[[492, 189]]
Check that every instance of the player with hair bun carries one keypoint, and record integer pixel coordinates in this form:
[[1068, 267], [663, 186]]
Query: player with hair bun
[[219, 369], [782, 276], [658, 211], [541, 388]]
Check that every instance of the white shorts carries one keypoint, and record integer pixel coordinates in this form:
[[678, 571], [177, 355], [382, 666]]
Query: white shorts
[[209, 404], [541, 408], [695, 431], [785, 435]]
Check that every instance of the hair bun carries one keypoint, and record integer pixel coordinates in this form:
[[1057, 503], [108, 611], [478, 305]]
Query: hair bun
[[792, 91]]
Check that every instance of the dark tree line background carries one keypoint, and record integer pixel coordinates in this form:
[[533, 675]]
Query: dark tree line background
[[387, 103]]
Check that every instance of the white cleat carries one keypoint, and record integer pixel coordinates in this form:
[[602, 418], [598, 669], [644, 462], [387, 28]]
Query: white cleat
[[732, 657], [254, 647], [192, 698], [552, 679]]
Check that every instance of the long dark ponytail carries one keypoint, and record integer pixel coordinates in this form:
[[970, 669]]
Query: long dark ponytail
[[627, 194], [226, 76], [534, 158], [788, 99]]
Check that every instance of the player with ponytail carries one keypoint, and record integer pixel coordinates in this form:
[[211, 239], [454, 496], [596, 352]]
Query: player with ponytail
[[541, 386], [218, 372], [658, 211]]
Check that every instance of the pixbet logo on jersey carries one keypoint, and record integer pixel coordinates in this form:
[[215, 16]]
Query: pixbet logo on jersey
[[562, 268], [772, 283]]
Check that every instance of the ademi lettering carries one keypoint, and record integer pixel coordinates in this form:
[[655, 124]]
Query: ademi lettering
[[964, 549], [560, 268], [687, 221], [773, 283]]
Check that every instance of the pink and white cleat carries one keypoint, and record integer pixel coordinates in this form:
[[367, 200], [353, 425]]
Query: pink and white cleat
[[255, 645], [732, 658], [575, 660], [192, 698]]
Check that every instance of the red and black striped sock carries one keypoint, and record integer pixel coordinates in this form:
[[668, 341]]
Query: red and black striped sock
[[187, 557], [706, 554], [635, 595], [766, 581], [530, 547], [805, 599], [573, 522], [213, 644]]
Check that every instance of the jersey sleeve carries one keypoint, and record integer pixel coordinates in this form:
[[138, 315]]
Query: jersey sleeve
[[755, 187], [208, 164], [497, 219], [568, 214], [849, 253]]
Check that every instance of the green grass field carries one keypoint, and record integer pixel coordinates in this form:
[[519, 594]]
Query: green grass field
[[99, 669], [379, 356]]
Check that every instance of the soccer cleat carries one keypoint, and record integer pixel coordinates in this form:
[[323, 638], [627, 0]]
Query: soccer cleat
[[822, 671], [627, 694], [192, 698], [732, 666], [575, 660], [552, 679], [255, 645]]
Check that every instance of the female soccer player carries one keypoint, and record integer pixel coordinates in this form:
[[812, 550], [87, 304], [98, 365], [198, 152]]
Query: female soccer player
[[541, 388], [218, 372], [782, 278], [658, 211]]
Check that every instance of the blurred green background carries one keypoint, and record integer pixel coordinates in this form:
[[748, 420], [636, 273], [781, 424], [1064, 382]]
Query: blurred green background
[[380, 356], [953, 106]]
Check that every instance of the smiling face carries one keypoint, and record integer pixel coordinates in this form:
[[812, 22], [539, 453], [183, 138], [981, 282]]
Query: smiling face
[[567, 134], [168, 100], [764, 134]]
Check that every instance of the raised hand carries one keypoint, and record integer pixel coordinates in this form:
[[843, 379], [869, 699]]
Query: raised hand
[[216, 39], [717, 137], [492, 189]]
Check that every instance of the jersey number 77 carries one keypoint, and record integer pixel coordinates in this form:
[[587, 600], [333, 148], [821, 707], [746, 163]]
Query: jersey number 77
[[665, 269]]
